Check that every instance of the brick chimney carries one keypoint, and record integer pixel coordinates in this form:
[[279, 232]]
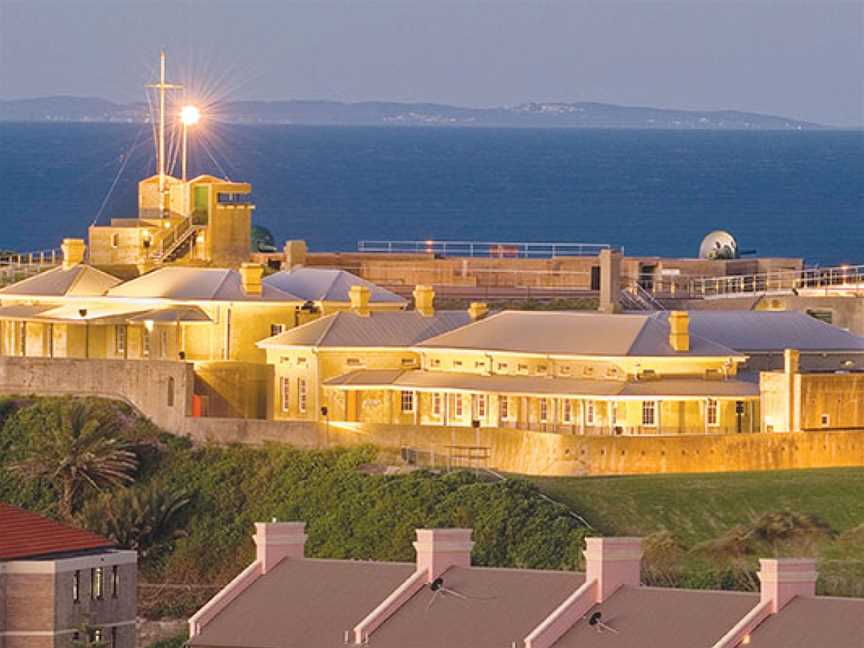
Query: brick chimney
[[73, 252], [440, 549], [785, 578], [424, 300], [359, 296], [275, 541], [477, 310], [613, 562], [251, 275], [679, 330]]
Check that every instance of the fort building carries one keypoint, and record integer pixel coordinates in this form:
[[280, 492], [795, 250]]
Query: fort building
[[58, 582]]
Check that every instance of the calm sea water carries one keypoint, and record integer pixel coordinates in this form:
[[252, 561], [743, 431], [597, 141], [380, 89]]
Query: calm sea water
[[795, 193]]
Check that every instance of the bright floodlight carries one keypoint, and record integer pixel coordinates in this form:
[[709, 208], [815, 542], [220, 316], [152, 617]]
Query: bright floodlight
[[190, 115]]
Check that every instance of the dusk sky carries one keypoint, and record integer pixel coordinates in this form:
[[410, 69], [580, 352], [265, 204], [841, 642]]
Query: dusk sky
[[799, 59]]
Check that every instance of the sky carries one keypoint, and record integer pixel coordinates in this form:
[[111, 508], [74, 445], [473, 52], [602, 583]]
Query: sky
[[798, 59]]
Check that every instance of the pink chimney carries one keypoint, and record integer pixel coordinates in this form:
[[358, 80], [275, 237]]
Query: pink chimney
[[440, 549], [613, 562], [785, 578], [275, 541]]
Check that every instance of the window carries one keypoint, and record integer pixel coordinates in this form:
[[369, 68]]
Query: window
[[435, 362], [145, 344], [479, 364], [115, 240], [565, 370], [481, 406], [611, 372], [544, 410], [825, 420], [567, 411], [301, 394], [97, 583], [76, 587], [408, 362], [407, 401], [541, 369], [590, 412], [98, 635], [353, 362], [457, 363], [504, 407], [436, 404], [170, 391], [276, 329], [522, 368], [649, 413], [457, 404], [115, 581], [120, 339], [712, 414], [588, 371], [301, 361], [285, 392], [502, 366]]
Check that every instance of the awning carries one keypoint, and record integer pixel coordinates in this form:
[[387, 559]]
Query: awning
[[23, 311], [172, 314], [100, 314], [541, 386]]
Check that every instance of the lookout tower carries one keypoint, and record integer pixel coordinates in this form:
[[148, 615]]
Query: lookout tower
[[206, 220]]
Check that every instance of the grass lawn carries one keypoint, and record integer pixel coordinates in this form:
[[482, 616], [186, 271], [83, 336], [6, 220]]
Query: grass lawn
[[699, 507]]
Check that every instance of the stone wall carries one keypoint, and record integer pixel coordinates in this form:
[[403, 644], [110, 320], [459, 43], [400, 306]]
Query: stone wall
[[162, 390]]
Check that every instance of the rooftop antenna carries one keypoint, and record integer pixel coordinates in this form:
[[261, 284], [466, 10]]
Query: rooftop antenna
[[162, 86], [596, 621]]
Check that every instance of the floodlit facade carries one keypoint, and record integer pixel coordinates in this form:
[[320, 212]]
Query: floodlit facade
[[284, 598]]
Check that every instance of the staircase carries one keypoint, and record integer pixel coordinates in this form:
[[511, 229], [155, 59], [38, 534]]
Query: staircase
[[636, 298], [176, 242]]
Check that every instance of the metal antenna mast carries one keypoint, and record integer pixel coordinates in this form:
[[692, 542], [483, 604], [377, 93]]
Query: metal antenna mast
[[162, 86]]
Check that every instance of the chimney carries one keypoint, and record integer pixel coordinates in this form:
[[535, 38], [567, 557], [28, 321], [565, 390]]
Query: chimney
[[294, 254], [477, 310], [440, 549], [275, 541], [679, 330], [424, 300], [359, 296], [250, 276], [785, 578], [73, 252], [612, 562]]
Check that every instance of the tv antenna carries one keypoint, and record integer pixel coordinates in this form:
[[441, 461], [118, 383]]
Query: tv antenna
[[439, 590]]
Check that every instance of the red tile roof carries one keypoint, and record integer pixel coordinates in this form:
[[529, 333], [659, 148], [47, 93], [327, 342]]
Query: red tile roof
[[27, 535]]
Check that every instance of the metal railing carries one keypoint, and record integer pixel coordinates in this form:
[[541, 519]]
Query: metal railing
[[15, 266], [845, 279], [172, 239], [492, 249]]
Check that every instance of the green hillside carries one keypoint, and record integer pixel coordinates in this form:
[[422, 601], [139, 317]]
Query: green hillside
[[189, 510]]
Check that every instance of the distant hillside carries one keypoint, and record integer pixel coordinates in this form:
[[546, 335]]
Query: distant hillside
[[376, 113]]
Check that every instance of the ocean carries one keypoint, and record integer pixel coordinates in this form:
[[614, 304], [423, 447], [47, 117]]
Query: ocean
[[652, 192]]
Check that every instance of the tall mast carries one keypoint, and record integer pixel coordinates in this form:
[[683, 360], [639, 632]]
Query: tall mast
[[162, 86]]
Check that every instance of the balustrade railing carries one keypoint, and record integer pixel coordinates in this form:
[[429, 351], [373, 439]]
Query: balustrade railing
[[492, 249]]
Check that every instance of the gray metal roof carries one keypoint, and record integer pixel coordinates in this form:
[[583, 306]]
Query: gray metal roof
[[325, 284], [80, 280], [573, 333], [197, 284], [753, 331], [379, 329]]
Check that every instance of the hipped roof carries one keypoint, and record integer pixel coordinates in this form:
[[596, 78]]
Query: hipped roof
[[197, 284], [327, 285], [80, 280]]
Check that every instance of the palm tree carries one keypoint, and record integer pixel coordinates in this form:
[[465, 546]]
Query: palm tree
[[81, 451]]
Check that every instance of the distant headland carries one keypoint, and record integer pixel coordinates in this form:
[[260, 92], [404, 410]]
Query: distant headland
[[377, 113]]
